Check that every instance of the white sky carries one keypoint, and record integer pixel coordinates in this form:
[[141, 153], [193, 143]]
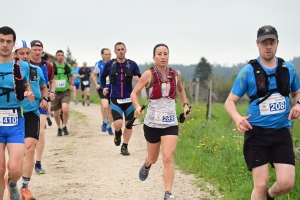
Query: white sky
[[222, 31]]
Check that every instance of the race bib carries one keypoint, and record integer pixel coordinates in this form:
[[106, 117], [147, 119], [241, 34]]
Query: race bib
[[126, 100], [274, 104], [107, 80], [8, 118], [60, 83], [85, 82], [164, 116]]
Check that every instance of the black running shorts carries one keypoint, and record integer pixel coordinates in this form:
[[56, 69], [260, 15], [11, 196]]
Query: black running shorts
[[100, 93], [118, 109], [153, 135], [262, 146], [32, 125]]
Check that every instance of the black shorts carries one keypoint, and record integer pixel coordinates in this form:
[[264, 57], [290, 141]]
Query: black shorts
[[117, 110], [153, 135], [84, 86], [32, 125], [100, 93], [262, 146]]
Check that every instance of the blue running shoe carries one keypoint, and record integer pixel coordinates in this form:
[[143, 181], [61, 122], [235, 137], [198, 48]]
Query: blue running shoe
[[39, 170], [143, 174], [104, 127], [110, 131], [168, 195], [13, 192]]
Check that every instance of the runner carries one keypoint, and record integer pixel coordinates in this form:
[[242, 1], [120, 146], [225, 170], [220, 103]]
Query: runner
[[31, 114], [160, 124], [105, 109], [75, 70], [121, 71], [84, 75], [14, 86], [36, 59], [269, 81], [64, 79]]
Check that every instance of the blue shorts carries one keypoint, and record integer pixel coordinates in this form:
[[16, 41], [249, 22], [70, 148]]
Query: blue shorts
[[76, 85], [13, 134], [43, 112]]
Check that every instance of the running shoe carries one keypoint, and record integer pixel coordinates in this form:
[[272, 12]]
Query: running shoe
[[52, 114], [76, 102], [26, 194], [65, 130], [124, 151], [110, 131], [49, 121], [13, 192], [143, 175], [59, 132], [39, 169], [104, 127], [168, 195], [117, 140], [88, 103], [83, 103]]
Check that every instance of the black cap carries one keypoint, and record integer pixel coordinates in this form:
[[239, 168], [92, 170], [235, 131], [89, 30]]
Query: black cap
[[266, 32], [36, 43]]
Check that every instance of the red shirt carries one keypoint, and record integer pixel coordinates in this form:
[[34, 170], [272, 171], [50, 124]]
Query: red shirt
[[49, 69]]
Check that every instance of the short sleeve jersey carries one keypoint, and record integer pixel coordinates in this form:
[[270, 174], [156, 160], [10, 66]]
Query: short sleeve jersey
[[7, 81], [35, 87], [62, 79], [120, 89], [75, 71], [98, 69], [245, 84], [49, 69], [86, 72]]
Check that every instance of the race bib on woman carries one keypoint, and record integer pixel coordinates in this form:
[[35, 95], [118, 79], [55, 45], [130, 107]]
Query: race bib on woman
[[8, 118], [274, 104], [164, 116]]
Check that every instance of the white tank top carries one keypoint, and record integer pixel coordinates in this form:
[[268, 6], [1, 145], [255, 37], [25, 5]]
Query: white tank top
[[161, 113]]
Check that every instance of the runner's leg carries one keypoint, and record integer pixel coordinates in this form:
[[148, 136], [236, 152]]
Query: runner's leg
[[2, 168], [169, 143]]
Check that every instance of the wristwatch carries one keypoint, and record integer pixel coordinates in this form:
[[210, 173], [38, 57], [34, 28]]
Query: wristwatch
[[298, 102]]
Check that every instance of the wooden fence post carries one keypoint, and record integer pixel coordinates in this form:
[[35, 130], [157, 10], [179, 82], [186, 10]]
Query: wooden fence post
[[209, 89], [197, 91], [191, 91]]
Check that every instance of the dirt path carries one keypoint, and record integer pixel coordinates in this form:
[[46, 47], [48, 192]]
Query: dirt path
[[87, 165]]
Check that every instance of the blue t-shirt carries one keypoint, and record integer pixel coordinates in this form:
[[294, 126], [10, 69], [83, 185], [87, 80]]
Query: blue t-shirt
[[35, 87], [7, 81], [75, 71], [245, 84], [120, 89], [99, 67]]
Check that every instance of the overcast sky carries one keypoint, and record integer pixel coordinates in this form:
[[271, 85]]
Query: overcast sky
[[223, 31]]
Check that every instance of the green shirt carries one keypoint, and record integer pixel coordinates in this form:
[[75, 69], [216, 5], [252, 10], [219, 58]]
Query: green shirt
[[62, 79]]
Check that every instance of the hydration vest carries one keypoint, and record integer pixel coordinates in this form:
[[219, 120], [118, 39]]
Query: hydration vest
[[262, 80], [114, 72], [44, 68], [17, 81], [67, 70], [157, 84], [33, 74]]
